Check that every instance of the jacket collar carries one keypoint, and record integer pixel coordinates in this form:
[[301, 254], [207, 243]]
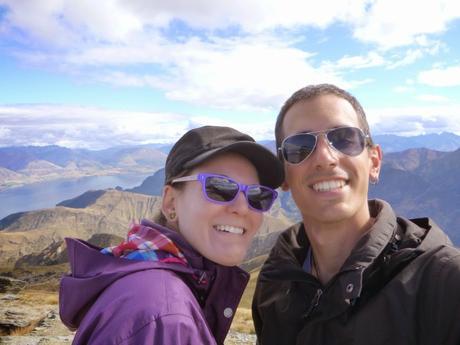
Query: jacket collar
[[293, 245], [368, 248]]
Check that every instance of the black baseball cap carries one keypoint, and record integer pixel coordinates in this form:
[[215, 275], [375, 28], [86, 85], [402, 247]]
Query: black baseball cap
[[200, 144]]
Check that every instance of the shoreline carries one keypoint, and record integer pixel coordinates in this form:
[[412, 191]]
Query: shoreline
[[31, 180]]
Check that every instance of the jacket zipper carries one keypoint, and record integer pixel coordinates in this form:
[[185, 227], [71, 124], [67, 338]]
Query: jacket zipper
[[314, 302]]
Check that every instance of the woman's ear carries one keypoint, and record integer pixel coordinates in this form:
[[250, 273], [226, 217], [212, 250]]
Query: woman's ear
[[168, 204]]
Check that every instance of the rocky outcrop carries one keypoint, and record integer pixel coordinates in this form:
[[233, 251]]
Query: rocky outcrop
[[56, 252], [16, 315], [11, 285]]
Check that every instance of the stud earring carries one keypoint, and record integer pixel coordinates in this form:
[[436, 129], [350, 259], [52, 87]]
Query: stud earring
[[172, 215], [374, 180]]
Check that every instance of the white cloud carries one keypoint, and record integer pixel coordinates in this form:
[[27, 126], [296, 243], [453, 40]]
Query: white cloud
[[255, 65], [86, 127], [410, 57], [403, 89], [388, 23], [257, 73], [69, 23], [5, 132], [65, 23], [440, 77], [251, 16], [96, 128], [394, 23], [234, 73], [372, 59], [432, 98], [415, 120]]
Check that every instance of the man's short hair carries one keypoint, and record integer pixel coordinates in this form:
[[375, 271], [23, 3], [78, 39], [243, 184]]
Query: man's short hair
[[312, 91]]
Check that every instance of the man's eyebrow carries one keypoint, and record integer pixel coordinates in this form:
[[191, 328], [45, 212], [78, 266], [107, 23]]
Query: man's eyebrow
[[310, 131]]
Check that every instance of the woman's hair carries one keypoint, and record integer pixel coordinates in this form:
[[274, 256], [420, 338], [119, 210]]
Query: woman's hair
[[160, 218]]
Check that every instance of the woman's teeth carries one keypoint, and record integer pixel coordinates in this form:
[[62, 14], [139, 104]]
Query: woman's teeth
[[327, 186], [229, 228]]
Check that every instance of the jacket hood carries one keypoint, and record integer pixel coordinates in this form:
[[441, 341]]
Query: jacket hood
[[92, 272]]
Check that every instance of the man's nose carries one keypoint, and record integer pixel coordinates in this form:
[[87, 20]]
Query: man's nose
[[324, 154]]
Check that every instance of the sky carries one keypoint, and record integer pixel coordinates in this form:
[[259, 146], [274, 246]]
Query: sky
[[97, 74]]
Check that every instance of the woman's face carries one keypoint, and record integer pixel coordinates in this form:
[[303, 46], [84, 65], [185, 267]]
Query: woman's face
[[221, 233]]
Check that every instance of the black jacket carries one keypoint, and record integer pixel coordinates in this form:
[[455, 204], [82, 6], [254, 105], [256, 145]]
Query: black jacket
[[400, 285]]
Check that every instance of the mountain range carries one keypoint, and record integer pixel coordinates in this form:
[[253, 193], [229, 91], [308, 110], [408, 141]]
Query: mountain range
[[101, 217], [29, 164], [421, 183], [416, 182]]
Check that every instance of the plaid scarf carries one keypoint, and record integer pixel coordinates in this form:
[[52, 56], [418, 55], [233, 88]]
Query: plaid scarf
[[145, 243]]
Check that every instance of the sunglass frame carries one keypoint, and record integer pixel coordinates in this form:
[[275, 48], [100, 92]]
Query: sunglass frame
[[364, 137], [241, 188]]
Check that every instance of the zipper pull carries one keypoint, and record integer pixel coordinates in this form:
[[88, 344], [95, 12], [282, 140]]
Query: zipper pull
[[314, 302]]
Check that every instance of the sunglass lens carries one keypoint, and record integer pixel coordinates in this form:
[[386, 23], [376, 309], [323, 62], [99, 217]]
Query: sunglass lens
[[220, 189], [260, 197], [298, 147], [348, 140]]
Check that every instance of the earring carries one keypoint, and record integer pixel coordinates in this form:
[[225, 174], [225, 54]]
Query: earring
[[374, 180], [172, 215]]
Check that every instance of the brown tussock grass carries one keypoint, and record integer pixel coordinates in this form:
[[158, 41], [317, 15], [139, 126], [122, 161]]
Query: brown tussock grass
[[39, 297], [25, 330], [243, 321]]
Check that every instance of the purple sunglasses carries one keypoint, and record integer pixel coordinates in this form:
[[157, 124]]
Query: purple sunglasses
[[223, 190]]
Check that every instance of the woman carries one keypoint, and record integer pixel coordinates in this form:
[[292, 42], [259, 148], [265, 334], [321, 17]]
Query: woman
[[176, 281]]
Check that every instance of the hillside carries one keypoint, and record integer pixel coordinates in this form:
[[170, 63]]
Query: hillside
[[110, 213], [422, 183], [38, 235]]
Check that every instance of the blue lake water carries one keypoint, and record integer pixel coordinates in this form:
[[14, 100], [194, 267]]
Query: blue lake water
[[48, 194]]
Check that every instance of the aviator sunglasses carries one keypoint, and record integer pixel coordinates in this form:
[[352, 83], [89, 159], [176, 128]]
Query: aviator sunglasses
[[223, 190], [347, 140]]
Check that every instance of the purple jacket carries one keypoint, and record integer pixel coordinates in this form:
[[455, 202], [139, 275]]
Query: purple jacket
[[113, 300]]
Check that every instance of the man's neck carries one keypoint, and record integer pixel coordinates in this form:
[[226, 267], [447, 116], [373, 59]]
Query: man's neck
[[332, 243]]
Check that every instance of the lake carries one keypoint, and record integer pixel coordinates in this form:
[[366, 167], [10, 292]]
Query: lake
[[48, 194]]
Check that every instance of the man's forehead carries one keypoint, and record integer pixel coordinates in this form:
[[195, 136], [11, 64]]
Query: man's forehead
[[308, 115]]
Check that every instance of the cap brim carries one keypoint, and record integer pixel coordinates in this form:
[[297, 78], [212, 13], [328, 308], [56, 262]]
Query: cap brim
[[268, 166]]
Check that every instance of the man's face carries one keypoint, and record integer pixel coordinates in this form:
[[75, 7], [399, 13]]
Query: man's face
[[329, 186]]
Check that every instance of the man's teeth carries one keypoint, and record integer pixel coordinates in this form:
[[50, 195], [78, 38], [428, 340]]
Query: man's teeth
[[229, 228], [326, 186]]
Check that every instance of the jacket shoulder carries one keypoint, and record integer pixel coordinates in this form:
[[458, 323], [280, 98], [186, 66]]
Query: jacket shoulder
[[438, 302]]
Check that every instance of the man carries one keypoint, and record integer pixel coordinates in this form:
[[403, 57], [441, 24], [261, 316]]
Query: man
[[351, 272]]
